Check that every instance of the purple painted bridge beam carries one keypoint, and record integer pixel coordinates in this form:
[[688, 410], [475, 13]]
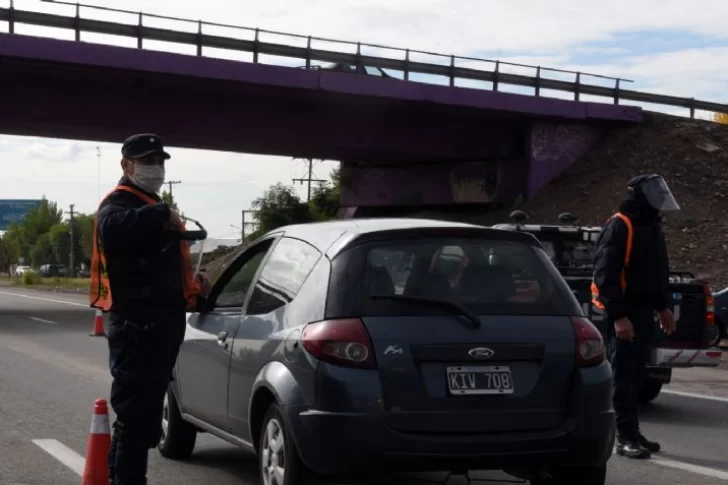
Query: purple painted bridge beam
[[67, 89]]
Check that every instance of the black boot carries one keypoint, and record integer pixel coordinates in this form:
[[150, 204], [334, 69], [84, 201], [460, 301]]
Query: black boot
[[652, 446], [631, 448]]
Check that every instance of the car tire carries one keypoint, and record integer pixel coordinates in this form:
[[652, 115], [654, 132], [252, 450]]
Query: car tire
[[650, 390], [722, 332], [276, 446], [178, 437], [576, 476]]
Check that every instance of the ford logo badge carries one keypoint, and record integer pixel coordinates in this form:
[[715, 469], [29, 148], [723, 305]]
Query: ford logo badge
[[480, 353]]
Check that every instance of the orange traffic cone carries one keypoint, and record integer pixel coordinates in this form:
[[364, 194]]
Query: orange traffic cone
[[96, 469], [98, 325]]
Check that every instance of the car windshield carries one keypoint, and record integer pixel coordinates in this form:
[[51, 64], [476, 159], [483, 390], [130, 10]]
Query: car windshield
[[483, 276]]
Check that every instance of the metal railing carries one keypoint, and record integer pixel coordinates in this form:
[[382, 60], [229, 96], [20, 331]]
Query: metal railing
[[200, 40]]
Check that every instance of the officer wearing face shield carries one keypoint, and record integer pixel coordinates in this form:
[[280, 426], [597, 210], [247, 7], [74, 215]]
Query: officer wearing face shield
[[142, 276], [631, 271]]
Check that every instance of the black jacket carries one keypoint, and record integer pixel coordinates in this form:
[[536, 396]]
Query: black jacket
[[144, 261], [648, 273]]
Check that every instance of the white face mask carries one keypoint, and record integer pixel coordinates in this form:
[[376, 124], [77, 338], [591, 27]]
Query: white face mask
[[149, 177]]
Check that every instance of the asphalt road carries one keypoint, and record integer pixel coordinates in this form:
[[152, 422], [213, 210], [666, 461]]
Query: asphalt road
[[51, 371]]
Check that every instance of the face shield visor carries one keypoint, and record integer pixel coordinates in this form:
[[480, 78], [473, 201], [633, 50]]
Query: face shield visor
[[658, 195]]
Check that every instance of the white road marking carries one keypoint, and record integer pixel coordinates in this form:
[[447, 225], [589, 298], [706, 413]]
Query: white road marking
[[41, 320], [689, 467], [44, 299], [64, 454], [694, 395]]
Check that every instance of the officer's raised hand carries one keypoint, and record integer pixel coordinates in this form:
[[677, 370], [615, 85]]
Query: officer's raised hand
[[667, 321], [624, 329]]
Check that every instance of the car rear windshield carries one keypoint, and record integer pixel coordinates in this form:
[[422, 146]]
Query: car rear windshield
[[487, 277]]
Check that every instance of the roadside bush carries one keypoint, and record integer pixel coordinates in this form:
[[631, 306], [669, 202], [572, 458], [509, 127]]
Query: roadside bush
[[31, 278]]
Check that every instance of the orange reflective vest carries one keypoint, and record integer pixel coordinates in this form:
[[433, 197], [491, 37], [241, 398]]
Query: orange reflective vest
[[627, 254], [100, 289]]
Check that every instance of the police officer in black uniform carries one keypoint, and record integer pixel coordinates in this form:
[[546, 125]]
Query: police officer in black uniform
[[630, 303], [147, 316]]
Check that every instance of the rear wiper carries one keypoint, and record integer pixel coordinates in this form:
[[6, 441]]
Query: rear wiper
[[444, 304]]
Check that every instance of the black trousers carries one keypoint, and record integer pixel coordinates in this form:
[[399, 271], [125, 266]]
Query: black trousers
[[141, 359], [629, 368]]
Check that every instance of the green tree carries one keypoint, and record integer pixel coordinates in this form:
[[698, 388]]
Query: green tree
[[39, 220], [4, 257], [325, 199], [84, 233], [60, 237], [42, 251], [13, 242], [279, 206]]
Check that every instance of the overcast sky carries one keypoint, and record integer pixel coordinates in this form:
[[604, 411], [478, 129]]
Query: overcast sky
[[676, 47]]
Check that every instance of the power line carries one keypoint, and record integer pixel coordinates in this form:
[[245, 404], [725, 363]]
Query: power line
[[170, 184], [246, 224], [309, 179]]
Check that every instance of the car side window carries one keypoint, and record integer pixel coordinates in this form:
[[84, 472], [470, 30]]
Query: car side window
[[234, 292], [284, 273]]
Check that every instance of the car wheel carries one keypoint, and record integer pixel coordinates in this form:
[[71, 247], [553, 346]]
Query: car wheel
[[178, 436], [278, 458], [722, 332], [576, 476], [650, 390]]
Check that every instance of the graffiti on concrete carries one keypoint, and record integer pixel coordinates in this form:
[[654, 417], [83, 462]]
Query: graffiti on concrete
[[475, 182], [555, 147]]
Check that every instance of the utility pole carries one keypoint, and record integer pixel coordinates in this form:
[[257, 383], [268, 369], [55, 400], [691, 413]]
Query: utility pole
[[72, 269], [245, 224], [309, 179], [171, 183]]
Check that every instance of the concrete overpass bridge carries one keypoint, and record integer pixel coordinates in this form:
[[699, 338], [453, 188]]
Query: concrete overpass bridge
[[400, 142]]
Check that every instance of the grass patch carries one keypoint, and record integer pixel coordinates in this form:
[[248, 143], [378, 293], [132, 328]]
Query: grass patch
[[33, 279]]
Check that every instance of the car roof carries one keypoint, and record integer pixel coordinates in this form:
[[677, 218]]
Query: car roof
[[331, 237], [547, 227]]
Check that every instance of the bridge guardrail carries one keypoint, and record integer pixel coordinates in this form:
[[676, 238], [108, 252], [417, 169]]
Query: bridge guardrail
[[142, 32]]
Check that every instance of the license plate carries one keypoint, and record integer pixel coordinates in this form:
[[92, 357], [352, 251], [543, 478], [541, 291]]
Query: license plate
[[469, 380]]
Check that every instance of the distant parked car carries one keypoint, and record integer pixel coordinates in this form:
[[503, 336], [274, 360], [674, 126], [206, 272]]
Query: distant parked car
[[53, 270], [20, 270], [345, 347]]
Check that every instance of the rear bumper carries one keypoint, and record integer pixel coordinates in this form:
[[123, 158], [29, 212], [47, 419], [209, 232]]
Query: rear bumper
[[664, 357], [351, 443]]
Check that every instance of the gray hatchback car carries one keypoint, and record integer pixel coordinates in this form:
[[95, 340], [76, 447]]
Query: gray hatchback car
[[379, 346]]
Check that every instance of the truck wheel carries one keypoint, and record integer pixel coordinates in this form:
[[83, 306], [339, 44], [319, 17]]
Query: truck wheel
[[650, 390], [178, 436]]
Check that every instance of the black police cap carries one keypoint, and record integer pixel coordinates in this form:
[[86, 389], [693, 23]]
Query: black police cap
[[142, 145]]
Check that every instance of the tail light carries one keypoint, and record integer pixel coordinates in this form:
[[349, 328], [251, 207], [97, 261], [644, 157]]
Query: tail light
[[343, 342], [709, 307], [590, 350], [710, 331]]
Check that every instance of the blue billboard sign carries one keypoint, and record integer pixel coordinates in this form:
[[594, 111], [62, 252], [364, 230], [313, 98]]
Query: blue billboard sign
[[15, 210]]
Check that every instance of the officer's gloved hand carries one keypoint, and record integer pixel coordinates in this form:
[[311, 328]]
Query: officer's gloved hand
[[624, 329], [667, 321]]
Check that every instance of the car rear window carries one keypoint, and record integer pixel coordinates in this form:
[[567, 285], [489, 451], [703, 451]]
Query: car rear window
[[488, 277]]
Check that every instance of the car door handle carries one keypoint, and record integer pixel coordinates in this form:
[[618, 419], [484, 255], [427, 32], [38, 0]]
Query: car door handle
[[221, 339]]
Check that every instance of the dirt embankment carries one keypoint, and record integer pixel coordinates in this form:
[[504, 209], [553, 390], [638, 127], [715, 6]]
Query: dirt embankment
[[693, 157]]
